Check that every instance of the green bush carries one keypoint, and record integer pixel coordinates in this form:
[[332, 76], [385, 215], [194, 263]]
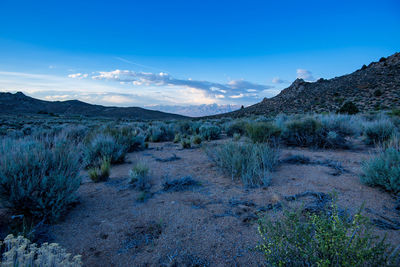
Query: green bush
[[236, 127], [251, 163], [261, 132], [100, 174], [349, 108], [378, 131], [196, 140], [19, 251], [325, 239], [185, 143], [39, 178], [310, 132], [383, 170], [209, 132], [177, 138], [100, 147]]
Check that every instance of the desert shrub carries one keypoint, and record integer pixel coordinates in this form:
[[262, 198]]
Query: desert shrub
[[345, 125], [196, 140], [126, 137], [251, 163], [161, 132], [349, 108], [99, 174], [103, 146], [19, 251], [139, 175], [305, 132], [280, 120], [177, 138], [263, 132], [383, 170], [38, 178], [209, 131], [236, 127], [185, 143], [378, 131], [324, 239], [310, 132]]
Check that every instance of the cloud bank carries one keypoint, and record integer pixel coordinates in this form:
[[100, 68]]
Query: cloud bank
[[235, 89]]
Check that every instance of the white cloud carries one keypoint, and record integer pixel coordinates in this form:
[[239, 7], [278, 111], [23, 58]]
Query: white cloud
[[78, 75], [237, 96], [233, 89], [277, 80], [305, 75]]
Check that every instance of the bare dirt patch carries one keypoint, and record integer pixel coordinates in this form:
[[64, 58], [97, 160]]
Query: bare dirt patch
[[213, 224]]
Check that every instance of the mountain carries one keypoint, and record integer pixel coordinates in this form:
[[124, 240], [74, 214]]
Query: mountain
[[196, 110], [373, 87], [18, 103]]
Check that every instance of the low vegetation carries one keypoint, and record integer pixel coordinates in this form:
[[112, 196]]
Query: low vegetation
[[100, 174], [39, 178], [139, 175], [324, 239], [383, 170], [19, 251], [251, 163]]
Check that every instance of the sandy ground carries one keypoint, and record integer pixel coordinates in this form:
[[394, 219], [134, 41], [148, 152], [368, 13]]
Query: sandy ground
[[213, 224]]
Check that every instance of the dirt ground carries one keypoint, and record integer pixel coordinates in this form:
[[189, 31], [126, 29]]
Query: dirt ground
[[213, 224]]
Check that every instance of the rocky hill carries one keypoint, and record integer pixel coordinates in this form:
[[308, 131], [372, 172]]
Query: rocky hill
[[18, 103], [373, 87]]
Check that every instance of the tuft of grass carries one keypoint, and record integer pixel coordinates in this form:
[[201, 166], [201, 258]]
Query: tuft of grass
[[324, 239], [139, 175], [251, 163], [100, 174]]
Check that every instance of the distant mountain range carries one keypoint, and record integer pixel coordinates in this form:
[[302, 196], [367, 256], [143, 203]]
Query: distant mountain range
[[18, 103], [373, 87], [196, 110]]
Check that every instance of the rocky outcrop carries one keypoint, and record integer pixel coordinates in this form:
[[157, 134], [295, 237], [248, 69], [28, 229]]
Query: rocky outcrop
[[373, 87]]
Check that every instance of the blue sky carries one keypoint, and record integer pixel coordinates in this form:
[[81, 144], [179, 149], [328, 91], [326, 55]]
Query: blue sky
[[145, 53]]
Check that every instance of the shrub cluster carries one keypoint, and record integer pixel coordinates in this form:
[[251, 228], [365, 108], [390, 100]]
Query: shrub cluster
[[39, 178], [324, 239], [261, 132], [103, 146], [378, 131], [160, 132], [383, 170], [209, 131], [251, 163]]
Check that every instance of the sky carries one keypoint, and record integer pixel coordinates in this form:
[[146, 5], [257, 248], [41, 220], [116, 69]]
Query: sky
[[172, 54]]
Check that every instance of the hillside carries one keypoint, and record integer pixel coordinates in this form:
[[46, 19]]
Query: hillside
[[18, 103], [373, 87]]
